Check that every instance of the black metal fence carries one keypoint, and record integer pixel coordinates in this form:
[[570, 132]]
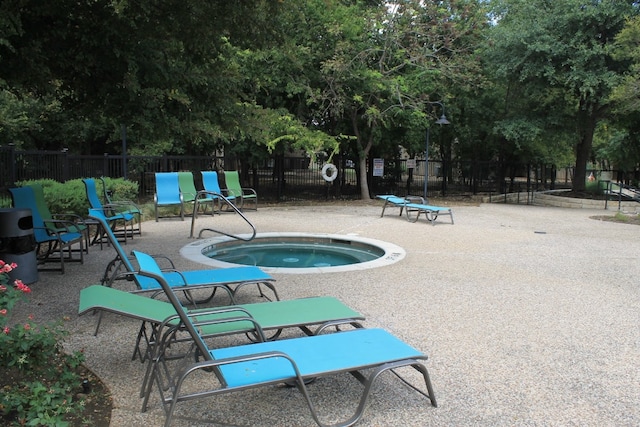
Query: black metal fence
[[287, 178]]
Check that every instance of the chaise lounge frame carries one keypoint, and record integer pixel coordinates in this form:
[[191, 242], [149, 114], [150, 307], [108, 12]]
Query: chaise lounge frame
[[415, 205], [364, 353]]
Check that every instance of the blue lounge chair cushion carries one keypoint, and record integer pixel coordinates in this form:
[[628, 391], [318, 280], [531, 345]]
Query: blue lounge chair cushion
[[314, 356]]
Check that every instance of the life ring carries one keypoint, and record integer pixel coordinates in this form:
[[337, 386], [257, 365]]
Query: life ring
[[329, 172]]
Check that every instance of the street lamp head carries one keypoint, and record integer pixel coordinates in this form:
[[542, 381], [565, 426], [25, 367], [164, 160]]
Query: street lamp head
[[442, 120]]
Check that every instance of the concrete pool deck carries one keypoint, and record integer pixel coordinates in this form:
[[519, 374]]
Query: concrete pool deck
[[530, 316]]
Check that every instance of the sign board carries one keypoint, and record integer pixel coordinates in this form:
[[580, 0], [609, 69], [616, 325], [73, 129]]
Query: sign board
[[411, 163], [378, 167]]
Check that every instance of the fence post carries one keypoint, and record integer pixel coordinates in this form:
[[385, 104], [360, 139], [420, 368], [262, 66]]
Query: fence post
[[12, 156], [65, 164]]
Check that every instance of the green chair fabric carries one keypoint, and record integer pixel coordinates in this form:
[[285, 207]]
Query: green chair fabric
[[232, 181]]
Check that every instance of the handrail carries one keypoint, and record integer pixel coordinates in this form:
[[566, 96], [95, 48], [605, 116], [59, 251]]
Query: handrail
[[635, 193], [229, 203]]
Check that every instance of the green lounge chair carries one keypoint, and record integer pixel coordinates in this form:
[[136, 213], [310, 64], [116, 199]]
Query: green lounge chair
[[311, 315], [232, 181], [191, 195], [55, 243], [70, 222], [364, 353]]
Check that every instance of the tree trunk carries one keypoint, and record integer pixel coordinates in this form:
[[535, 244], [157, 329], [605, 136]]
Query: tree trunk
[[363, 153], [583, 153]]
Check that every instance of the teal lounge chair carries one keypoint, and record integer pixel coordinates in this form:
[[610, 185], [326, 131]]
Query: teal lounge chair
[[111, 213], [229, 280], [364, 353], [54, 243], [415, 205], [122, 206], [71, 222], [168, 192], [212, 187], [232, 181]]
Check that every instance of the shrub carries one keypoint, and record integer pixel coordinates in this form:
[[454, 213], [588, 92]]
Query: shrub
[[71, 197], [38, 378]]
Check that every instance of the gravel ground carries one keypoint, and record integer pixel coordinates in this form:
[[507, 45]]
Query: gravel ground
[[530, 317]]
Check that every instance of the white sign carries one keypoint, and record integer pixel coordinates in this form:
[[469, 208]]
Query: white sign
[[411, 163], [378, 167]]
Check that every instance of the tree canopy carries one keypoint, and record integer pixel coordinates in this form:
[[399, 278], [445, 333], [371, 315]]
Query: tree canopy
[[522, 80]]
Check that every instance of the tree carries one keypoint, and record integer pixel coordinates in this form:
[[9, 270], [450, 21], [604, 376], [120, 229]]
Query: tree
[[388, 58], [560, 53]]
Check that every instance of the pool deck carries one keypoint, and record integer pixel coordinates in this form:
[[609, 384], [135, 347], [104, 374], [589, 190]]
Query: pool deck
[[530, 316]]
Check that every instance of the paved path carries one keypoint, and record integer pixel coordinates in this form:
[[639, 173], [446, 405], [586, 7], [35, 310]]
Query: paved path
[[530, 317]]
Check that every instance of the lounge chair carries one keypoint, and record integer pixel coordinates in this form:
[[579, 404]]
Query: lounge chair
[[310, 315], [52, 242], [415, 205], [229, 280], [211, 185], [232, 181], [364, 353], [191, 195], [123, 206], [111, 213], [71, 222], [168, 192]]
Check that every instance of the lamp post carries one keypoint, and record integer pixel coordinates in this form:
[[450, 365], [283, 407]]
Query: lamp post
[[441, 121]]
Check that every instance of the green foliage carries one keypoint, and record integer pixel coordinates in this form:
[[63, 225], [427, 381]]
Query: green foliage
[[121, 189], [39, 378], [558, 72], [71, 197], [627, 94]]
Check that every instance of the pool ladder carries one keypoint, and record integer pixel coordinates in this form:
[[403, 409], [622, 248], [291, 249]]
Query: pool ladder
[[229, 203]]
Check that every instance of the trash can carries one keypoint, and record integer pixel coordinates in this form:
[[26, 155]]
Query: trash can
[[18, 244]]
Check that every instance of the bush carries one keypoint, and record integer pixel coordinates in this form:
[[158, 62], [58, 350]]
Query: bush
[[71, 197], [38, 379]]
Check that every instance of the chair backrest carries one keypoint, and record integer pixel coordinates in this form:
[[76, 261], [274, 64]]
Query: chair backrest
[[210, 181], [98, 215], [105, 191], [92, 193], [24, 198], [167, 188], [232, 181], [41, 203], [187, 186], [149, 268]]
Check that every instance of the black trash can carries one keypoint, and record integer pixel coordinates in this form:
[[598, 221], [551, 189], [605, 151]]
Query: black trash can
[[18, 244]]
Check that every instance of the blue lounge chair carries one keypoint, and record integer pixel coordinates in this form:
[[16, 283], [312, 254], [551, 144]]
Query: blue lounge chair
[[53, 240], [123, 206], [415, 205], [168, 192], [111, 213], [211, 185], [229, 280], [364, 353]]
